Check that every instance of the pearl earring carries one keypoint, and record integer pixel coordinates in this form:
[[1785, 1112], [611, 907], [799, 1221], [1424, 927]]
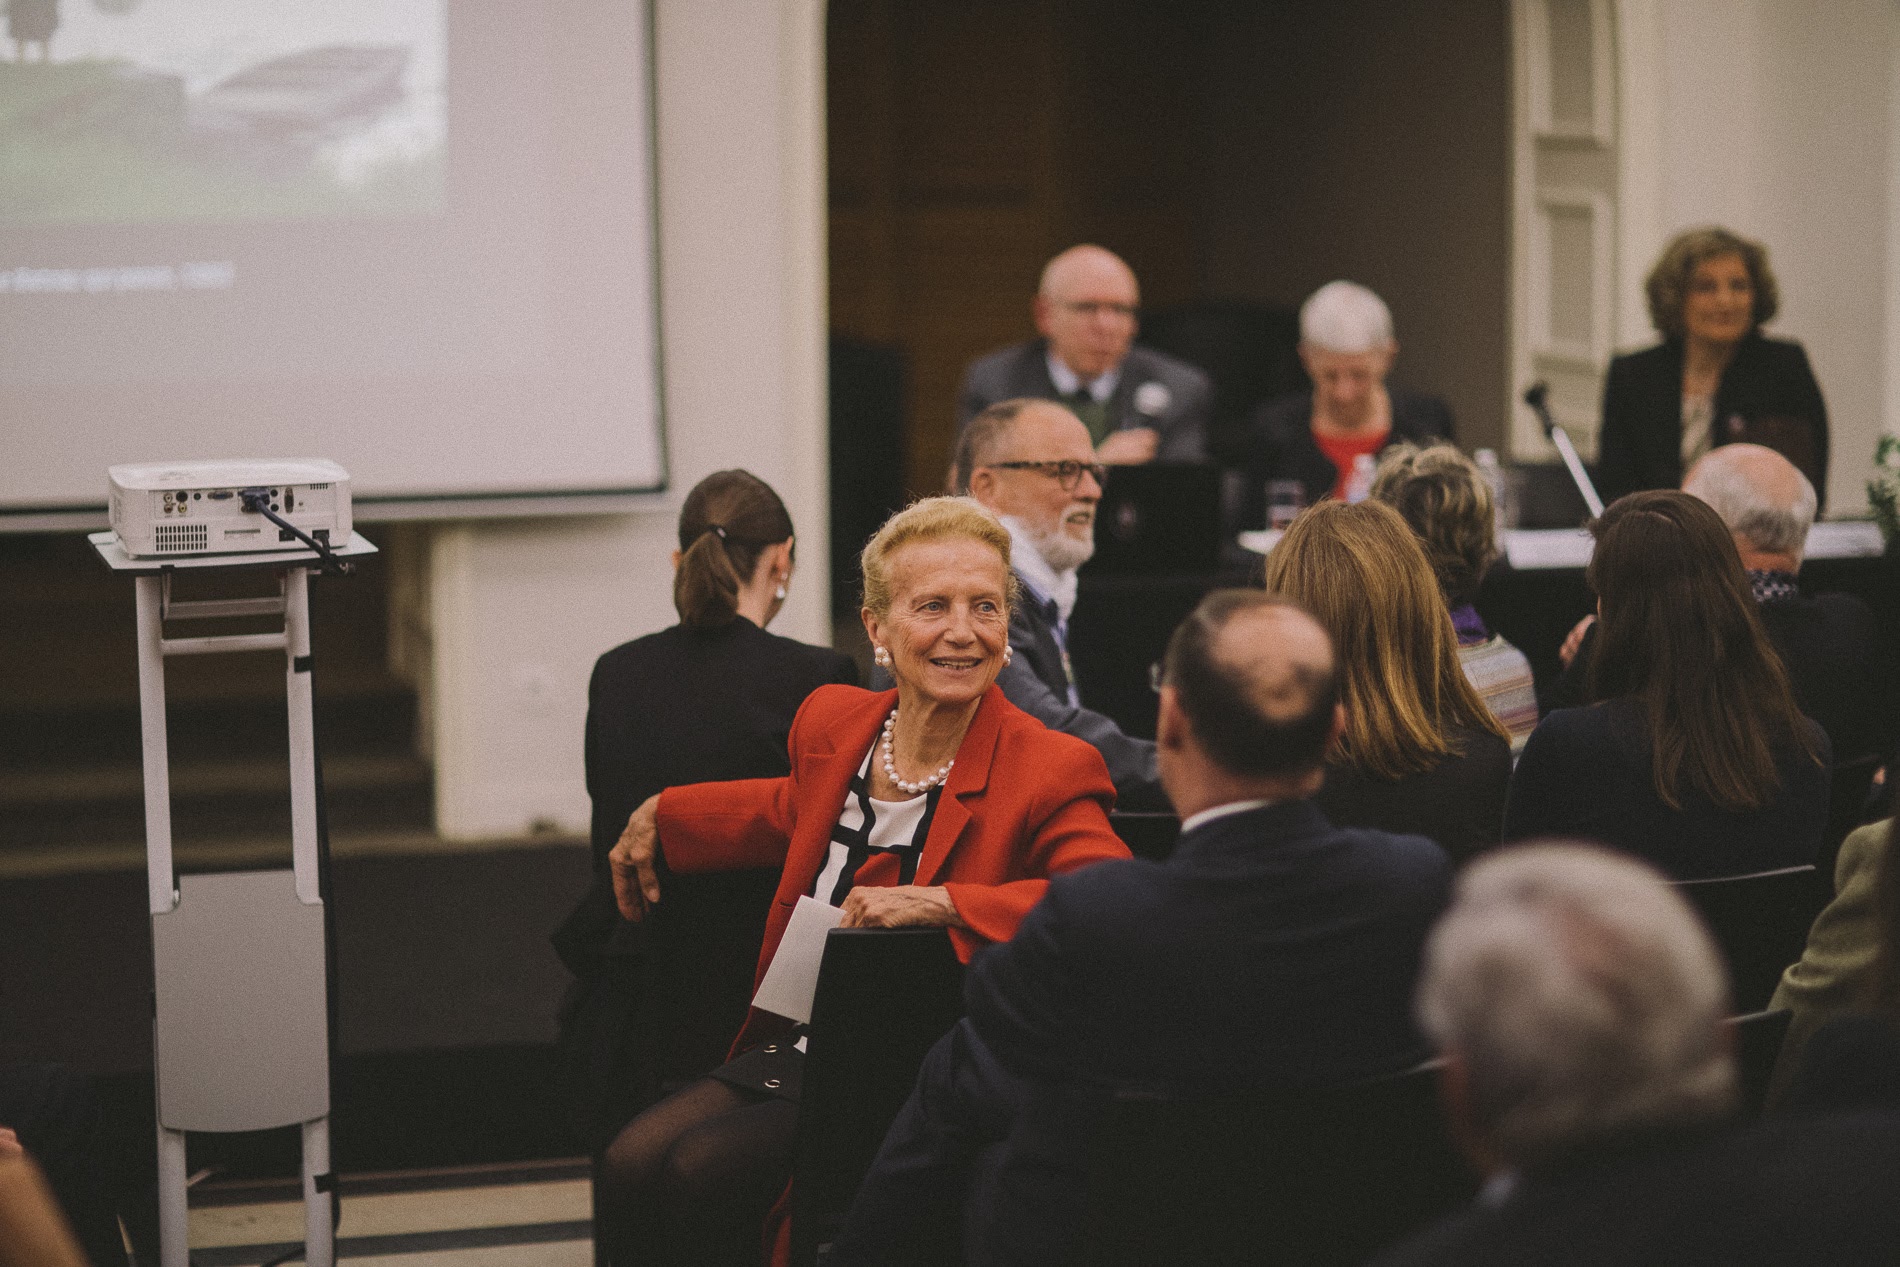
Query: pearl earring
[[779, 593], [881, 657], [1009, 653]]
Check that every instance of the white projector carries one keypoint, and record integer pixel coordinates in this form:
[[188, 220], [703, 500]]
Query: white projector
[[161, 508]]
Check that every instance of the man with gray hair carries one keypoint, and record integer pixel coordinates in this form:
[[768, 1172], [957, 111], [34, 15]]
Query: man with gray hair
[[1347, 347], [1139, 405], [1829, 643], [1578, 1005], [1031, 462]]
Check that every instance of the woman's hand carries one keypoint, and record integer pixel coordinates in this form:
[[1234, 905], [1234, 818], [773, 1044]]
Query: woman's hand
[[632, 859], [900, 906]]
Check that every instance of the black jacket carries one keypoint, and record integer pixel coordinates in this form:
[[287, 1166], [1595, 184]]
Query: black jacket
[[694, 706], [1271, 949], [1786, 1190], [1458, 803], [1831, 646], [1586, 775], [1280, 445], [1641, 441]]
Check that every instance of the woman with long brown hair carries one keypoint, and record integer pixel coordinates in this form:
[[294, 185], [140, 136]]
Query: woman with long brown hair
[[1421, 753], [1696, 756]]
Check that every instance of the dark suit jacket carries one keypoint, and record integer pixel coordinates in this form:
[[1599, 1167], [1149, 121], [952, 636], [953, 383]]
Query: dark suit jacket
[[1270, 949], [1280, 444], [1586, 774], [692, 706], [1641, 441], [1786, 1190], [1037, 681], [1830, 644], [1023, 370], [1842, 676], [1022, 804], [1458, 803]]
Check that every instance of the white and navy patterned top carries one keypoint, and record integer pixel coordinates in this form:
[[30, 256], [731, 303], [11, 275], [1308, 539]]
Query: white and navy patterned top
[[874, 842]]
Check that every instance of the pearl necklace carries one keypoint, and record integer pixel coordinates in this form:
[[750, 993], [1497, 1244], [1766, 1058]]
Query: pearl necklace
[[890, 767]]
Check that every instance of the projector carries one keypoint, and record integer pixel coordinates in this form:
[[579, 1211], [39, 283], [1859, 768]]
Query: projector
[[161, 508]]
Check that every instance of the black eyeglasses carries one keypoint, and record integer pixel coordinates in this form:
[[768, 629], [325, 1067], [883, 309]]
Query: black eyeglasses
[[1067, 474], [1096, 308]]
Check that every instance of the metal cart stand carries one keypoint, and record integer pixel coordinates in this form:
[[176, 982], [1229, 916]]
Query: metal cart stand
[[241, 1016]]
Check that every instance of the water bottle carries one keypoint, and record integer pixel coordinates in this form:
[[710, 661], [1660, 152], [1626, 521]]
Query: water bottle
[[1359, 482], [1503, 507]]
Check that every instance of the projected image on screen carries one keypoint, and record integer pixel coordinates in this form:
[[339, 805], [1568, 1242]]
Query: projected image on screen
[[129, 111], [238, 228]]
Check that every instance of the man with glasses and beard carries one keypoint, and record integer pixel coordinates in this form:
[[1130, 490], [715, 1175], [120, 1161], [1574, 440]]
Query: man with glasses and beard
[[1032, 463]]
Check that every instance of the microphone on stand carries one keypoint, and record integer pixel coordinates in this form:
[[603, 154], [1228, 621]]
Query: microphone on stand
[[1537, 396]]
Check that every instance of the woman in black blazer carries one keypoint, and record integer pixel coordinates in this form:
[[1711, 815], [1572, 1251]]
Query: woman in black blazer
[[711, 698], [1696, 757], [1715, 378]]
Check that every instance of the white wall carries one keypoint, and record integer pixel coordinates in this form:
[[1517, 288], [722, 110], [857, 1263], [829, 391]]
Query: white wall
[[519, 610], [1781, 121]]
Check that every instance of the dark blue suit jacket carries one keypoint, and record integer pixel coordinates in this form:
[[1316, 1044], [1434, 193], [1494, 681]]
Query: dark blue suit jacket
[[1270, 950]]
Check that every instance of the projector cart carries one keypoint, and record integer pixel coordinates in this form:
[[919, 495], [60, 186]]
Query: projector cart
[[241, 1019]]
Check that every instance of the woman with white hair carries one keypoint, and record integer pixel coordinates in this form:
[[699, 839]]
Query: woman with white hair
[[1347, 347]]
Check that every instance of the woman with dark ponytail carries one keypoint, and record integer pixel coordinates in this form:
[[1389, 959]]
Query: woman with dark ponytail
[[711, 698]]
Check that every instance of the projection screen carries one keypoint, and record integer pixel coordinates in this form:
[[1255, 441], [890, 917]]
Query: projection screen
[[413, 236]]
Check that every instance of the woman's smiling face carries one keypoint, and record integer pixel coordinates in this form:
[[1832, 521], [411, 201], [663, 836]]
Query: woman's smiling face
[[949, 618]]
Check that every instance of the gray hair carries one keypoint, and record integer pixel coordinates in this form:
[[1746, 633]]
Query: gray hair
[[1770, 523], [1584, 998], [1345, 317], [982, 436]]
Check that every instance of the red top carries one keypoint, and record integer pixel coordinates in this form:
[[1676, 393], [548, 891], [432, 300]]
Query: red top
[[1341, 450]]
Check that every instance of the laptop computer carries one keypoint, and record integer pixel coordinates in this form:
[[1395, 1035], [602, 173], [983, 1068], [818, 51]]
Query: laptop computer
[[1159, 520]]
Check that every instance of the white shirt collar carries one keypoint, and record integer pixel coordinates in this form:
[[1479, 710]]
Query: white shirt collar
[[1035, 573], [1067, 380], [1207, 816]]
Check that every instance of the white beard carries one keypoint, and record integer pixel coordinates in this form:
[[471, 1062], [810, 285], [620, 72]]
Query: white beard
[[1062, 552]]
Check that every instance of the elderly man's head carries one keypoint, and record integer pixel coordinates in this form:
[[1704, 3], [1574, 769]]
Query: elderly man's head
[[1249, 693], [1577, 1002], [1347, 347], [1765, 500], [1085, 307], [1032, 461]]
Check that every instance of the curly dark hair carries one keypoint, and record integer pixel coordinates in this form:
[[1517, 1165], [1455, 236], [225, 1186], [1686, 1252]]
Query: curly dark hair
[[1667, 285]]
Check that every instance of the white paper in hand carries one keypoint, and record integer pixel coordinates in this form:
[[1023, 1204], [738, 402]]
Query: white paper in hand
[[792, 979]]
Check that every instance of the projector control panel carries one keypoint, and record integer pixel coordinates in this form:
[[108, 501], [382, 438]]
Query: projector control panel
[[194, 508]]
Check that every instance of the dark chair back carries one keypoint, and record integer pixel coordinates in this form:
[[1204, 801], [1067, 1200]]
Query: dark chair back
[[1758, 1039], [1150, 836], [1761, 923], [884, 996], [1326, 1176], [1847, 809]]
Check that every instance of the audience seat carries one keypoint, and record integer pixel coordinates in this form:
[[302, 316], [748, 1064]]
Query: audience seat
[[1149, 836], [884, 996], [1758, 1038], [1274, 1177], [1761, 923]]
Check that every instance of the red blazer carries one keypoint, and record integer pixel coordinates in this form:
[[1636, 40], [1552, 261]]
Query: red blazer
[[992, 845]]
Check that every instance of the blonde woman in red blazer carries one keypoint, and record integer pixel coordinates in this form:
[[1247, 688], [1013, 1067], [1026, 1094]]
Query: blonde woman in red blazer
[[937, 804]]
